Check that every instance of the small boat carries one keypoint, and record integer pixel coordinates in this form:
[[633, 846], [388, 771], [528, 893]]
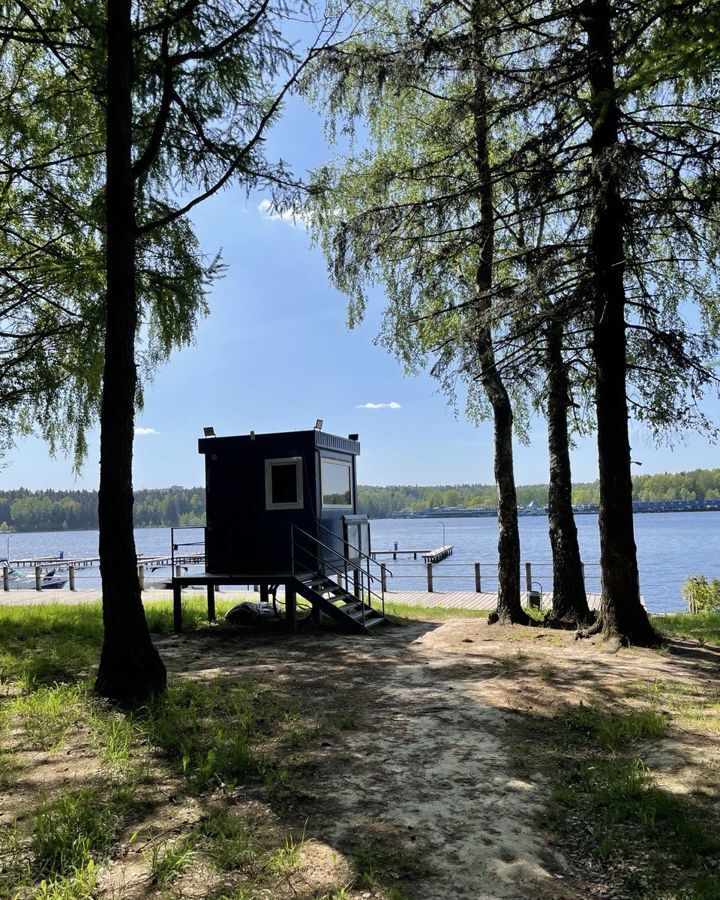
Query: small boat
[[24, 581]]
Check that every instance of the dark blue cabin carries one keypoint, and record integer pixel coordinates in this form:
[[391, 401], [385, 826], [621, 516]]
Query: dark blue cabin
[[258, 486], [282, 512]]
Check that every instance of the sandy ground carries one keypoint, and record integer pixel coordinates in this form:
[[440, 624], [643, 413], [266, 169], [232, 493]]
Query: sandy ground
[[430, 766]]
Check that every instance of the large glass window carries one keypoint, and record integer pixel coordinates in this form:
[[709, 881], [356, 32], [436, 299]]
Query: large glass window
[[336, 483], [283, 483]]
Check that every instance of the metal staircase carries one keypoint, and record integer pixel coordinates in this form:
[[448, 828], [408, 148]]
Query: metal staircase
[[336, 585]]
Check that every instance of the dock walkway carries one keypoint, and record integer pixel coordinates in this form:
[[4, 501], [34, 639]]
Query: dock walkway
[[469, 600]]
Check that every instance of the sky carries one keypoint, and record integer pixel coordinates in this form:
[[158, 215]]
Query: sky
[[275, 355]]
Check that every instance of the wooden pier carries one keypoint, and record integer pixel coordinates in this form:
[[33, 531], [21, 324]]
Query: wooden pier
[[93, 562], [68, 565], [428, 556]]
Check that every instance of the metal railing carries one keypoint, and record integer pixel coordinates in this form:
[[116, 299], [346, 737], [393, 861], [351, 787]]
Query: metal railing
[[175, 546], [307, 555], [481, 577]]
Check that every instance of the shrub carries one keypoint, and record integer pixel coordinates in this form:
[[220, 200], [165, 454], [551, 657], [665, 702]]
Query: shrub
[[702, 595]]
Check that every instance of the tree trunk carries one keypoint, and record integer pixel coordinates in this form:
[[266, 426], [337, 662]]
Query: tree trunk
[[622, 614], [130, 670], [569, 598], [509, 608]]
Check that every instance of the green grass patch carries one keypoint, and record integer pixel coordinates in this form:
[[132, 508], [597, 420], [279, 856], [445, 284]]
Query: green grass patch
[[55, 643], [703, 627], [47, 714], [606, 806], [79, 885], [170, 859], [70, 831], [691, 705], [387, 867], [211, 730], [405, 611]]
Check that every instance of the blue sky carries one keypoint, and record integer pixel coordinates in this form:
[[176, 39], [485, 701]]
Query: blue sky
[[275, 355]]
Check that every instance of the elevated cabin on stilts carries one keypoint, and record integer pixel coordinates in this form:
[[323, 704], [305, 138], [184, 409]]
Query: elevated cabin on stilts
[[282, 512]]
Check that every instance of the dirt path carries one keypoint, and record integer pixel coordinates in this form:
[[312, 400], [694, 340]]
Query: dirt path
[[425, 774]]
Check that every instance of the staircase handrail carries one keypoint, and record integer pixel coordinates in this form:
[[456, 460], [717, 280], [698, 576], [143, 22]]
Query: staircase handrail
[[338, 571]]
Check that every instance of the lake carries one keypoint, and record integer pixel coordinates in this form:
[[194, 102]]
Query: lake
[[671, 546]]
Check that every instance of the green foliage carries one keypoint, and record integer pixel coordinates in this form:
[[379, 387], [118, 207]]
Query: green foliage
[[70, 831], [702, 596], [79, 885], [703, 627], [610, 730], [25, 510], [168, 860], [54, 642], [47, 714], [209, 730], [606, 804]]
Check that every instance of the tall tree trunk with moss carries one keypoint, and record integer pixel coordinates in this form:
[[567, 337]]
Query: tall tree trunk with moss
[[622, 614], [569, 602], [509, 608], [130, 670]]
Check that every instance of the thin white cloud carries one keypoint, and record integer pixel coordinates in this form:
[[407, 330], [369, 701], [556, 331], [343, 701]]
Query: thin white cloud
[[391, 405], [292, 216], [141, 431]]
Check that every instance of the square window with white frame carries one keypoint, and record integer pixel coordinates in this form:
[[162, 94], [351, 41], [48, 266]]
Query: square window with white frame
[[283, 483]]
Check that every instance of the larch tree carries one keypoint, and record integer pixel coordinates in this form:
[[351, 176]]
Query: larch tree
[[185, 94], [415, 211], [642, 164], [431, 210]]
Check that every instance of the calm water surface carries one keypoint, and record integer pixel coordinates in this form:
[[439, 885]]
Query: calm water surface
[[671, 546]]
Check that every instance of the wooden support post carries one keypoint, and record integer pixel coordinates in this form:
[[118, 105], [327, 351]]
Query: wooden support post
[[478, 582], [71, 576], [6, 578], [141, 577], [211, 602], [264, 593], [356, 584], [177, 607], [178, 571], [38, 579], [383, 578], [291, 608], [528, 576], [430, 577]]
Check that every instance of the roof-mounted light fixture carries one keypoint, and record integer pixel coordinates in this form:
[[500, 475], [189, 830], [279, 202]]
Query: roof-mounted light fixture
[[209, 431], [318, 424], [353, 437]]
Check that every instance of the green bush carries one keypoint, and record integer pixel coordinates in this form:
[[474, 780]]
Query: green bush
[[702, 595]]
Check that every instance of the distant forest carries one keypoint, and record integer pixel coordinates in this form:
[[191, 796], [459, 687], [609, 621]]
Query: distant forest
[[23, 510]]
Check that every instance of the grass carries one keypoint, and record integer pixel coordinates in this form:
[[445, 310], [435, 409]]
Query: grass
[[47, 714], [703, 627], [385, 866], [170, 859], [607, 808], [71, 831], [59, 643], [405, 611], [209, 730]]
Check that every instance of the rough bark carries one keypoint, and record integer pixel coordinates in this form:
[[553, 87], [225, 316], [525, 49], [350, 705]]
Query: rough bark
[[130, 670], [509, 608], [569, 598], [622, 614]]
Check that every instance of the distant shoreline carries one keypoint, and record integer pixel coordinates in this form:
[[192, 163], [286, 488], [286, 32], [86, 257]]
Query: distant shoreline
[[639, 506]]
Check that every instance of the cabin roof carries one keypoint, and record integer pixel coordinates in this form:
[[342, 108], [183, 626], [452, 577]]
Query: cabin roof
[[279, 441]]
